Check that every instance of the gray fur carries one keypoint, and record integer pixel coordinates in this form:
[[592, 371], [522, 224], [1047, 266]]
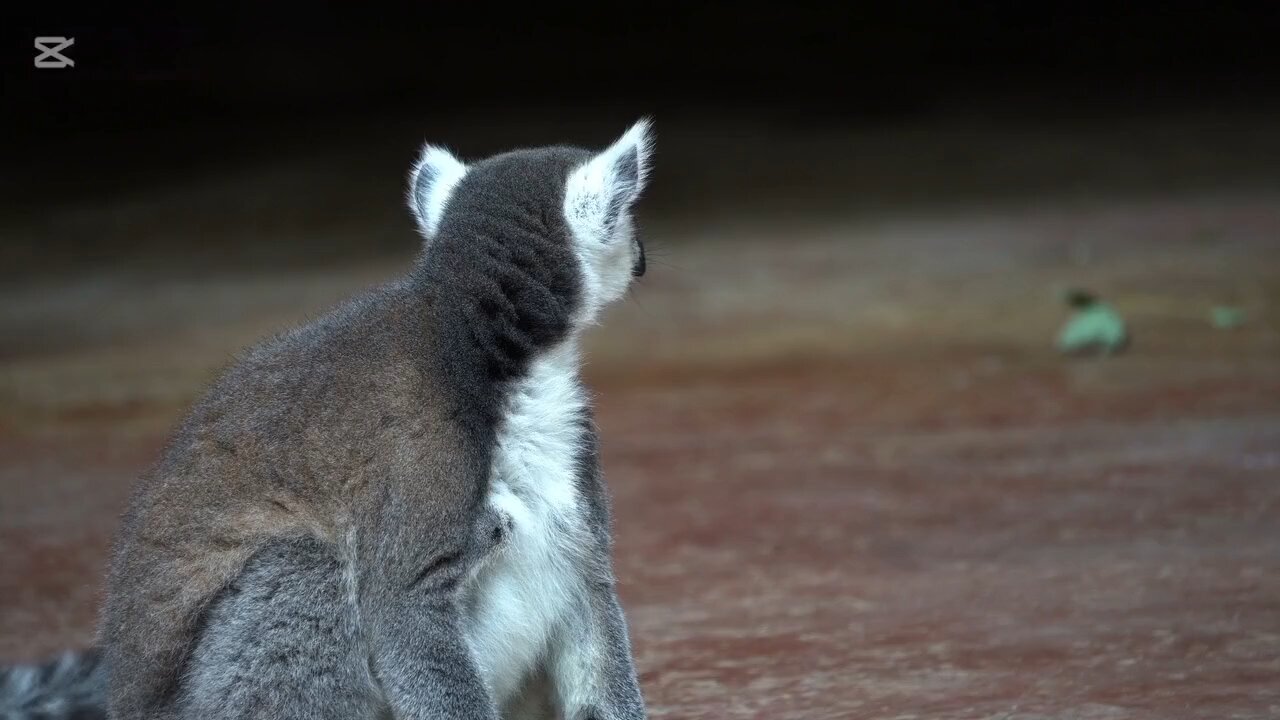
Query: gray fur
[[602, 635], [68, 687], [282, 642], [600, 630]]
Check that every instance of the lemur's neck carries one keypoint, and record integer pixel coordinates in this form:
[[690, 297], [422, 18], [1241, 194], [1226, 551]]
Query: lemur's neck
[[540, 438], [501, 292], [551, 385], [495, 322], [563, 357]]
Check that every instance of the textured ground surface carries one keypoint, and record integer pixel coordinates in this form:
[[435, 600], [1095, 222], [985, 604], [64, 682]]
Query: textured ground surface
[[852, 478]]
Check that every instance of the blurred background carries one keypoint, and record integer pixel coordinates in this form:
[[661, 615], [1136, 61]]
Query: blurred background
[[855, 473]]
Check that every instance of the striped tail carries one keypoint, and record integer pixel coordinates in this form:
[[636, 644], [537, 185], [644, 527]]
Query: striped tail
[[69, 687]]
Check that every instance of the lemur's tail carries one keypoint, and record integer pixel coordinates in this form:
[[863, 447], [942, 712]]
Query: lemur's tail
[[71, 686]]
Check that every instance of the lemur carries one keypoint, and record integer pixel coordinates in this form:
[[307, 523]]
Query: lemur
[[395, 510]]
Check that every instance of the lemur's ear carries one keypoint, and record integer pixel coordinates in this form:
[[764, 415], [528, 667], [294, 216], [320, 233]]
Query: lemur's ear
[[602, 190], [431, 182]]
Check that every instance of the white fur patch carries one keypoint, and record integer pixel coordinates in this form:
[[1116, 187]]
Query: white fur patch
[[524, 596], [597, 205], [431, 183]]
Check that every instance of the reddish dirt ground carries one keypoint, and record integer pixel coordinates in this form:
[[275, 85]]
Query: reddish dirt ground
[[852, 477]]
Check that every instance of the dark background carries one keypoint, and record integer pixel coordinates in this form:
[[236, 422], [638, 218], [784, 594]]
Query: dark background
[[836, 62], [158, 91], [838, 59]]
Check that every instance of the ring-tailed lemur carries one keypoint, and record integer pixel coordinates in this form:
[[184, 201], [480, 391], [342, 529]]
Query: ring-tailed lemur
[[396, 509]]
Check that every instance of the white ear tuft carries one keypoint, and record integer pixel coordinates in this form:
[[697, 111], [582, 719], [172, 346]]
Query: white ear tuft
[[431, 182], [638, 141], [599, 192]]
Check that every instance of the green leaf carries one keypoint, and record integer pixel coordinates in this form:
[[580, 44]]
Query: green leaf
[[1096, 328]]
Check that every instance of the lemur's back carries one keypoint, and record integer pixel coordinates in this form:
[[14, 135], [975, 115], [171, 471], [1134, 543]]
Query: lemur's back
[[283, 446], [304, 412]]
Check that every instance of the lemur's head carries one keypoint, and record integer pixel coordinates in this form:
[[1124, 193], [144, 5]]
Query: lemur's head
[[562, 216]]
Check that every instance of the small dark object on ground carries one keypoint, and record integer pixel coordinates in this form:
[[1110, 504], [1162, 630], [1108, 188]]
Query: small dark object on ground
[[1078, 298]]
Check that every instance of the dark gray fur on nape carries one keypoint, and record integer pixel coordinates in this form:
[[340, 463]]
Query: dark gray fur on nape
[[502, 274]]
